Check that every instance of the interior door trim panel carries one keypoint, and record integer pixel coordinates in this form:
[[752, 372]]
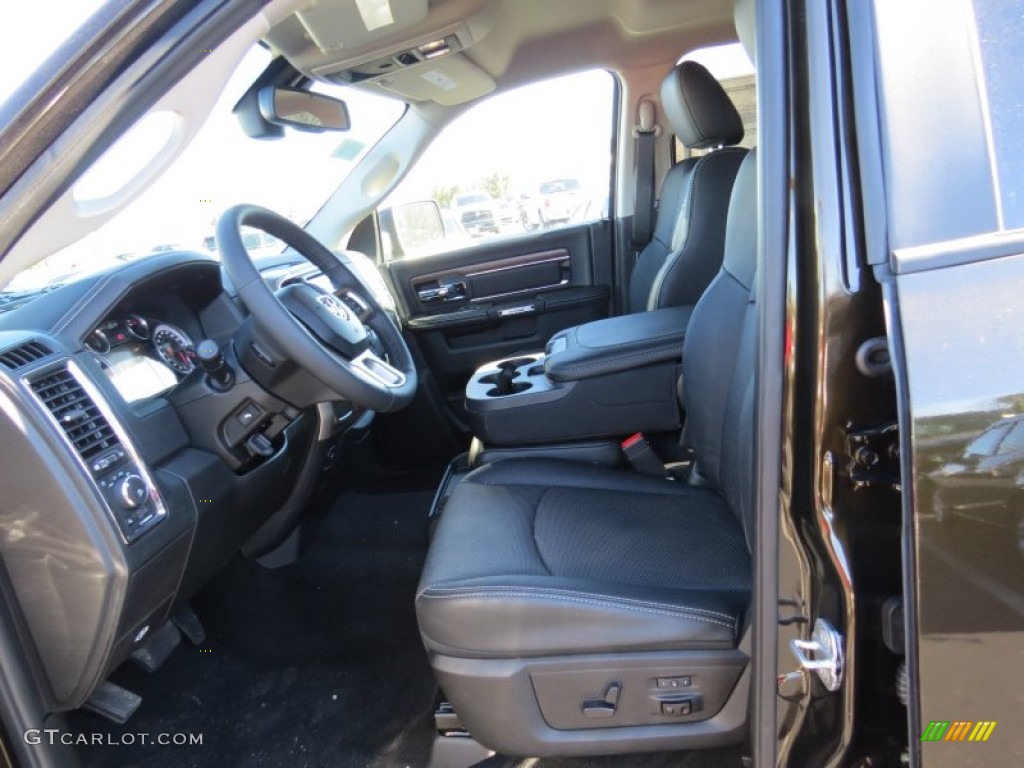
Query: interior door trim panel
[[560, 255], [495, 279]]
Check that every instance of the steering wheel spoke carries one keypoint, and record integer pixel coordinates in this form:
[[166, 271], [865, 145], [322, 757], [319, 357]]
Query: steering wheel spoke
[[378, 369]]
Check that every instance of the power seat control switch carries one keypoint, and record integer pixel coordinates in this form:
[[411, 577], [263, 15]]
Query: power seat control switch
[[605, 706], [671, 683], [679, 704]]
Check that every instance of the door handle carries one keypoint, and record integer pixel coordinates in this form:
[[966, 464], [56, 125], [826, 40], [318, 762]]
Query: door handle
[[445, 289]]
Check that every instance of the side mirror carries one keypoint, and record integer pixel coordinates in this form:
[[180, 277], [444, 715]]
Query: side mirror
[[414, 229], [303, 110]]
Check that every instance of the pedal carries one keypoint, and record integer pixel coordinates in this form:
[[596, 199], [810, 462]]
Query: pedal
[[113, 702], [189, 624], [154, 652]]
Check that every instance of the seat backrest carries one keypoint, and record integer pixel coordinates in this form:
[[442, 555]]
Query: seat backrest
[[685, 250], [719, 358]]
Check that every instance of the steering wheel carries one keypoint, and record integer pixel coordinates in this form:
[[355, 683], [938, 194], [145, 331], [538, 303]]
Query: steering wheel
[[328, 334]]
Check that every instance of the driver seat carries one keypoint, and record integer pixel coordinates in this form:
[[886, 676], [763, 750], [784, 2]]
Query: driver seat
[[569, 609]]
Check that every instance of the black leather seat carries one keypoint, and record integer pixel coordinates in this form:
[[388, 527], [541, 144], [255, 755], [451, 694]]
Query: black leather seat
[[542, 558], [609, 580], [686, 247]]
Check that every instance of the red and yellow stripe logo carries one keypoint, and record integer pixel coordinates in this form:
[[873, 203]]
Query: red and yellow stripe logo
[[958, 730]]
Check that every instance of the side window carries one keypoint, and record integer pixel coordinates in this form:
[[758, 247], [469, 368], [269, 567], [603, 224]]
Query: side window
[[951, 108], [536, 158], [987, 442], [1000, 38], [1013, 443], [732, 68]]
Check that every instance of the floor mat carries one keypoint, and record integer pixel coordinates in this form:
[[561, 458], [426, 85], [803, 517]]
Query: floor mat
[[318, 663]]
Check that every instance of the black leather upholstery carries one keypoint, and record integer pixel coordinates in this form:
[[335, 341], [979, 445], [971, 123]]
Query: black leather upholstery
[[537, 558], [685, 250], [698, 109], [616, 344], [540, 558]]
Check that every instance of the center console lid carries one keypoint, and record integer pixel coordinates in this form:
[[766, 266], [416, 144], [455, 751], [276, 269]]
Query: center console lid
[[603, 379], [617, 344]]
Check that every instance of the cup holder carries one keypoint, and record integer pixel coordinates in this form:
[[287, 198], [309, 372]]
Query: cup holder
[[512, 388], [509, 378]]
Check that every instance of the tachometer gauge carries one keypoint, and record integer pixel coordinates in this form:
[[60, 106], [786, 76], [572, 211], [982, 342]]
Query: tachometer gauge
[[175, 348], [137, 326], [97, 341]]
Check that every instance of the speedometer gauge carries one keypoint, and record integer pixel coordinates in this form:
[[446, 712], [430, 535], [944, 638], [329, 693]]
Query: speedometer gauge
[[175, 348]]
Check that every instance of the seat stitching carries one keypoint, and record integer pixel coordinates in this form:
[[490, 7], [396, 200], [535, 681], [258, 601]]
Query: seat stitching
[[624, 606], [678, 491], [574, 593], [533, 531], [666, 353], [674, 261]]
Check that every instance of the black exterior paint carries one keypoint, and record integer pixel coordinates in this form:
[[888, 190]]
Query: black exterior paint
[[966, 384], [839, 551]]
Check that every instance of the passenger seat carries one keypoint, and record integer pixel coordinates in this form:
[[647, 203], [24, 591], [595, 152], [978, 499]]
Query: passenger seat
[[685, 251], [569, 609]]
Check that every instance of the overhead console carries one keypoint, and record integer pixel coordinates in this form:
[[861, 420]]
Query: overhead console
[[392, 47], [601, 379]]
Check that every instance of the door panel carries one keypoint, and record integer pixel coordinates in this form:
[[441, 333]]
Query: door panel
[[496, 299]]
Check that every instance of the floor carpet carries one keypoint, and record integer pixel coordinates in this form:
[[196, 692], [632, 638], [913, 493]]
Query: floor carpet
[[318, 663]]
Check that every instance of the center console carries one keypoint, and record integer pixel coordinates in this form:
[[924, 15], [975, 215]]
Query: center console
[[602, 379]]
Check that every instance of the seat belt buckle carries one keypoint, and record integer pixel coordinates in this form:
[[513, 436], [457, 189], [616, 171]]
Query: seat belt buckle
[[638, 452]]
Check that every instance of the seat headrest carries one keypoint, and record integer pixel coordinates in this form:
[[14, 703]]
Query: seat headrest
[[698, 108]]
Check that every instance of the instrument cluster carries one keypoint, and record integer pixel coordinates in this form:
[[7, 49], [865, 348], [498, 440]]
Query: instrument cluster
[[142, 357]]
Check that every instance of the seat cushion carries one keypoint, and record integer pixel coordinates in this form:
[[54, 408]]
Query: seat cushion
[[535, 558]]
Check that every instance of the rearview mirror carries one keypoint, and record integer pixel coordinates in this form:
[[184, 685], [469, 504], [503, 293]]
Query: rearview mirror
[[303, 110]]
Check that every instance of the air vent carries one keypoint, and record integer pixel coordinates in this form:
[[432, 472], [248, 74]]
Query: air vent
[[20, 356], [86, 428]]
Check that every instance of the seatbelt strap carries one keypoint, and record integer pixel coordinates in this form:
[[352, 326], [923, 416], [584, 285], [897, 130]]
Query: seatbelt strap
[[645, 132]]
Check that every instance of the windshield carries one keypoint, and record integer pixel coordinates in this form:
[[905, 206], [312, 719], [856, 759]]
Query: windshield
[[562, 185], [222, 167], [470, 199]]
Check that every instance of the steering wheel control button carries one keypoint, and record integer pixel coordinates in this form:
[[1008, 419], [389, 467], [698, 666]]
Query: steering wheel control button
[[132, 492]]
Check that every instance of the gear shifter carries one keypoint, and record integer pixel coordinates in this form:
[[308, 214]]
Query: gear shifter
[[211, 359]]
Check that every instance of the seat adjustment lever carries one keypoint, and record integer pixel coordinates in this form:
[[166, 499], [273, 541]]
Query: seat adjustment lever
[[604, 707]]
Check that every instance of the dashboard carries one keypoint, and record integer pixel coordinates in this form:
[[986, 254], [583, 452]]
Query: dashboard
[[146, 478]]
